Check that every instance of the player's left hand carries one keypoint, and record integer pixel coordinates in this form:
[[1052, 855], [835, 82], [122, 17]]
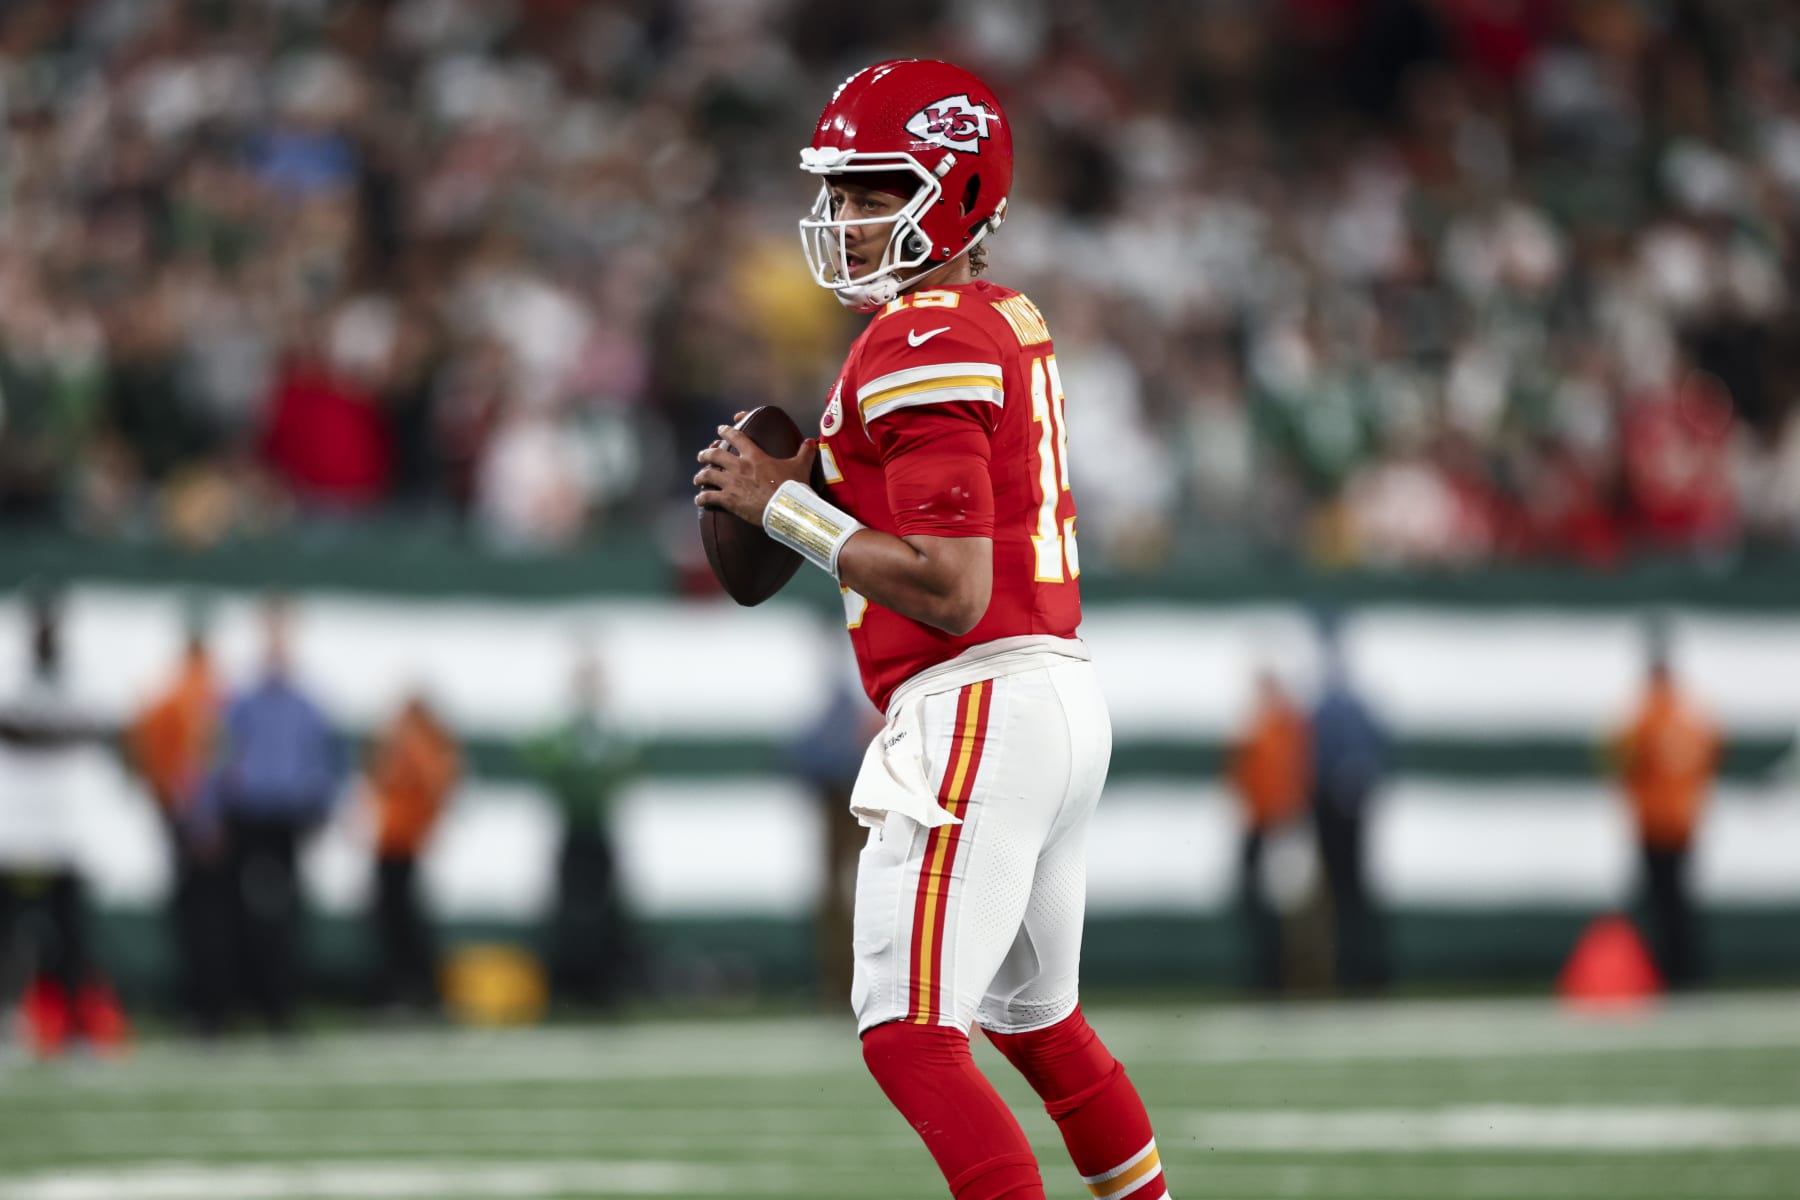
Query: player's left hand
[[747, 479]]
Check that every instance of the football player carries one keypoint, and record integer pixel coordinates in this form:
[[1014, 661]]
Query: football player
[[946, 519]]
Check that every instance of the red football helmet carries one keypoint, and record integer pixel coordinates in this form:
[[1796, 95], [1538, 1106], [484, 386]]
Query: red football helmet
[[931, 120]]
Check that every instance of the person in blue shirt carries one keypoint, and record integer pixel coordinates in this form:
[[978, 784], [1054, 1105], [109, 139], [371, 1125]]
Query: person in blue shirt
[[1350, 756], [827, 756], [279, 773]]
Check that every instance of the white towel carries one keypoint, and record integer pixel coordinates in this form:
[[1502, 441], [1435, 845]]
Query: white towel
[[894, 779]]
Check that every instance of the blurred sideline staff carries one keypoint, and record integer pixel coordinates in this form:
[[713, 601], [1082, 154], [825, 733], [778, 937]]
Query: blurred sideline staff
[[171, 742], [41, 892], [584, 760], [1665, 757], [278, 776], [1268, 770], [827, 757], [1350, 757], [413, 768]]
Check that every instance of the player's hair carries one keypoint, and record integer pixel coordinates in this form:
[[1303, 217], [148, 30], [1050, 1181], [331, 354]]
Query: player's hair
[[978, 258]]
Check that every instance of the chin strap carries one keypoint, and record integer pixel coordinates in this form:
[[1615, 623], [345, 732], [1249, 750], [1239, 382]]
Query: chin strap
[[869, 296]]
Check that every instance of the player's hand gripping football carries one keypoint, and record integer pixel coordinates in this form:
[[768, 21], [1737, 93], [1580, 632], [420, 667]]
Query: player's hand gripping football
[[743, 476]]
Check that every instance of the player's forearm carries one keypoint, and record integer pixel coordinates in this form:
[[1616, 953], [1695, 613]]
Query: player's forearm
[[942, 582]]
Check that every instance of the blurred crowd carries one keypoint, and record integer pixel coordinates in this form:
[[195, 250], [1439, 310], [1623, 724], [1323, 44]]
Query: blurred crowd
[[1381, 282]]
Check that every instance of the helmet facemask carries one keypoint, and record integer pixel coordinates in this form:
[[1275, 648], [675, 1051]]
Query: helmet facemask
[[823, 236]]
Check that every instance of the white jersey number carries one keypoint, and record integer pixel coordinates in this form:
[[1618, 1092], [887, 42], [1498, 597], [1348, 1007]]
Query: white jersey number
[[1055, 544], [854, 607]]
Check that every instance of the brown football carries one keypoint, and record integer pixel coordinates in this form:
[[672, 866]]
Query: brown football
[[749, 564]]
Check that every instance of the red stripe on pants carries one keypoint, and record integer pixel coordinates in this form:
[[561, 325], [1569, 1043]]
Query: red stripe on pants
[[933, 897]]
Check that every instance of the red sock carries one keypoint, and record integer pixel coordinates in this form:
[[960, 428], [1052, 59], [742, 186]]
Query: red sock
[[1086, 1091], [929, 1075]]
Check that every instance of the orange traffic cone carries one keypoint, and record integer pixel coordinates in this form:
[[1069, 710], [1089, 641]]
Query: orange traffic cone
[[1609, 968], [101, 1019]]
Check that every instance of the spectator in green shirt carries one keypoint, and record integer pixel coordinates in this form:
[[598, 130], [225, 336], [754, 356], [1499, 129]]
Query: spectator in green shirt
[[584, 760]]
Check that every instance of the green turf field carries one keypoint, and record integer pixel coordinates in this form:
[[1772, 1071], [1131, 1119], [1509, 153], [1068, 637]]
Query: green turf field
[[1501, 1101]]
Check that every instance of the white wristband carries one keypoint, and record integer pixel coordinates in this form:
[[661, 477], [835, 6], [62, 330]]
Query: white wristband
[[801, 519]]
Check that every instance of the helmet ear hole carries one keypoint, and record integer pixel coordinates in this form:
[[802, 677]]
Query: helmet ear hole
[[970, 194], [914, 245]]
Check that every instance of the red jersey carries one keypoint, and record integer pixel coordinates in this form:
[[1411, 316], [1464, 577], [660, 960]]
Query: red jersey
[[939, 379]]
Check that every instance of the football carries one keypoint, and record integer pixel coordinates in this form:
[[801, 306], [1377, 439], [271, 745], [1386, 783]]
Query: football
[[749, 564]]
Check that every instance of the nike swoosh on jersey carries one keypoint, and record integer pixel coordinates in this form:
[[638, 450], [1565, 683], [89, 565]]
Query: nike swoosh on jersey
[[915, 339]]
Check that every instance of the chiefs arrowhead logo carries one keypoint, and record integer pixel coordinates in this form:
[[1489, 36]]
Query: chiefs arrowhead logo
[[833, 420], [955, 122]]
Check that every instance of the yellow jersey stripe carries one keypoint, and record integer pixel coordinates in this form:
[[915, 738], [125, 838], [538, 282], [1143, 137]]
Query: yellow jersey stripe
[[936, 370], [985, 383]]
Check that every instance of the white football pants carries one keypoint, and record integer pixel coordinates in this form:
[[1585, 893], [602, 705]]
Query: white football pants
[[979, 918]]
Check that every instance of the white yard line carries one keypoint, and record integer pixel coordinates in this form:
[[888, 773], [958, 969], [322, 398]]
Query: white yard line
[[1192, 1135], [761, 1134], [395, 1180], [826, 1046], [1584, 1129]]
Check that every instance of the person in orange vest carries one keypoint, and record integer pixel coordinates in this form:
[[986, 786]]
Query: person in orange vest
[[1666, 756], [1268, 770], [171, 742], [412, 769]]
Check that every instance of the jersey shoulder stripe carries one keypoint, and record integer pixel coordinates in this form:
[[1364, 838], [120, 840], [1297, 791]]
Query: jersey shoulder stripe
[[933, 383]]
